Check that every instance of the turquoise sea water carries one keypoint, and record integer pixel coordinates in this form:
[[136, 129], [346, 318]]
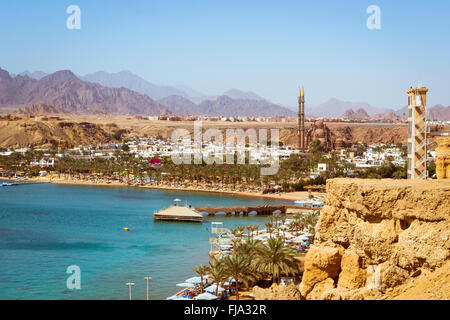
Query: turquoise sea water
[[46, 228]]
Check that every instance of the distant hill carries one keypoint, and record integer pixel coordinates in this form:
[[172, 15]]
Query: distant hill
[[435, 113], [35, 75], [232, 93], [41, 109], [225, 106], [360, 114], [439, 113], [51, 133], [180, 105], [334, 108], [237, 94], [389, 116], [128, 80], [65, 91]]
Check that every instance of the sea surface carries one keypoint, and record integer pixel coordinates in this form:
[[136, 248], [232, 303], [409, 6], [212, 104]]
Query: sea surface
[[46, 228]]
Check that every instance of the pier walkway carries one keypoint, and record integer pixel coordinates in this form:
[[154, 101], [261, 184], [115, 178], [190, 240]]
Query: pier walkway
[[260, 210]]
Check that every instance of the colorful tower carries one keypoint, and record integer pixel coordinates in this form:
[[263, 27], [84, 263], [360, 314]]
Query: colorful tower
[[417, 133], [301, 119]]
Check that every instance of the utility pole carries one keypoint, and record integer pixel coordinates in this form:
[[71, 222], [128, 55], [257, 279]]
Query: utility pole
[[149, 279], [129, 284]]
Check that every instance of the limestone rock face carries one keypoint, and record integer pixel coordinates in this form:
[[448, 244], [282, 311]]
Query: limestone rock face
[[352, 276], [374, 235], [320, 289], [443, 158], [392, 276], [275, 292], [320, 264], [346, 294]]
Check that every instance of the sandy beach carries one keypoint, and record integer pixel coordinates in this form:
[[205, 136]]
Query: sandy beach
[[291, 196]]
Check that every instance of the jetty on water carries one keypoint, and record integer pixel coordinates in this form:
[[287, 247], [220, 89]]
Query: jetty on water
[[259, 210], [178, 213]]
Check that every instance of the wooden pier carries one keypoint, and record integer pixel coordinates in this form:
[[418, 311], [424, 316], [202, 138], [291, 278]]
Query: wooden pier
[[178, 213], [260, 210]]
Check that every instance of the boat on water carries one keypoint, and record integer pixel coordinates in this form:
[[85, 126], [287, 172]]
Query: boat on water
[[9, 184]]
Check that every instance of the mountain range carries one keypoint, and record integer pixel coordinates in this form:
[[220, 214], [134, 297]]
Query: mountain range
[[437, 112], [128, 80], [126, 93], [65, 91], [136, 83], [334, 108]]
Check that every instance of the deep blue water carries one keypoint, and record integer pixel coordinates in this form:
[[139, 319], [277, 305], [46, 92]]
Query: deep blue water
[[46, 228]]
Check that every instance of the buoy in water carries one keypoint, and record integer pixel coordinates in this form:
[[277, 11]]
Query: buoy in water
[[126, 229]]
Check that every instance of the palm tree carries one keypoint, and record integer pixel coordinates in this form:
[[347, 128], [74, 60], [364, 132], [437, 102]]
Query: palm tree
[[201, 270], [241, 231], [276, 258], [269, 228], [249, 248], [238, 267], [310, 220], [249, 229], [218, 272], [236, 241], [256, 228]]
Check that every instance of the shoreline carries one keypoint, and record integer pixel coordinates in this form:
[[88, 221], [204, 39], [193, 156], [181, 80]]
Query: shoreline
[[289, 196]]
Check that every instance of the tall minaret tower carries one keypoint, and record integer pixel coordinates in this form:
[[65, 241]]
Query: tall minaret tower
[[417, 133], [301, 119]]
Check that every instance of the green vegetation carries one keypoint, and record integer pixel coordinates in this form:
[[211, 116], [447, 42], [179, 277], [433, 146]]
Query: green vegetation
[[293, 174], [252, 261], [201, 270]]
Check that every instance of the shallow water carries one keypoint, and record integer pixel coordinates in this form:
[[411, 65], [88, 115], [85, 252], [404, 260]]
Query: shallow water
[[46, 228]]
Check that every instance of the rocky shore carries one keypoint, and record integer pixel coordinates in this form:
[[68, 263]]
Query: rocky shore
[[378, 239]]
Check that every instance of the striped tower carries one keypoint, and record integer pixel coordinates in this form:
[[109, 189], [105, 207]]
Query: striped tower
[[417, 133]]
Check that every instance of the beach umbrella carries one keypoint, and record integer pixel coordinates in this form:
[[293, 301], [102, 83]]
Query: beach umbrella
[[206, 296], [177, 298], [196, 280], [212, 288], [184, 284], [300, 239]]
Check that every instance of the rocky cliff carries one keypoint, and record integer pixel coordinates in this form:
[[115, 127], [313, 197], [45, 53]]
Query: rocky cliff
[[443, 158], [376, 237]]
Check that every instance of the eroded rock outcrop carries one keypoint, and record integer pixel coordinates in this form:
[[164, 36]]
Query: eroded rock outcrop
[[277, 292], [375, 235], [443, 158]]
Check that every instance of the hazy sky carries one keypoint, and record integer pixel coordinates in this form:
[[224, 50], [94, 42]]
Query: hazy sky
[[269, 47]]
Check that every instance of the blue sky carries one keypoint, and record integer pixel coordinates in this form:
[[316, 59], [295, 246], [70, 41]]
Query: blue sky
[[269, 47]]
